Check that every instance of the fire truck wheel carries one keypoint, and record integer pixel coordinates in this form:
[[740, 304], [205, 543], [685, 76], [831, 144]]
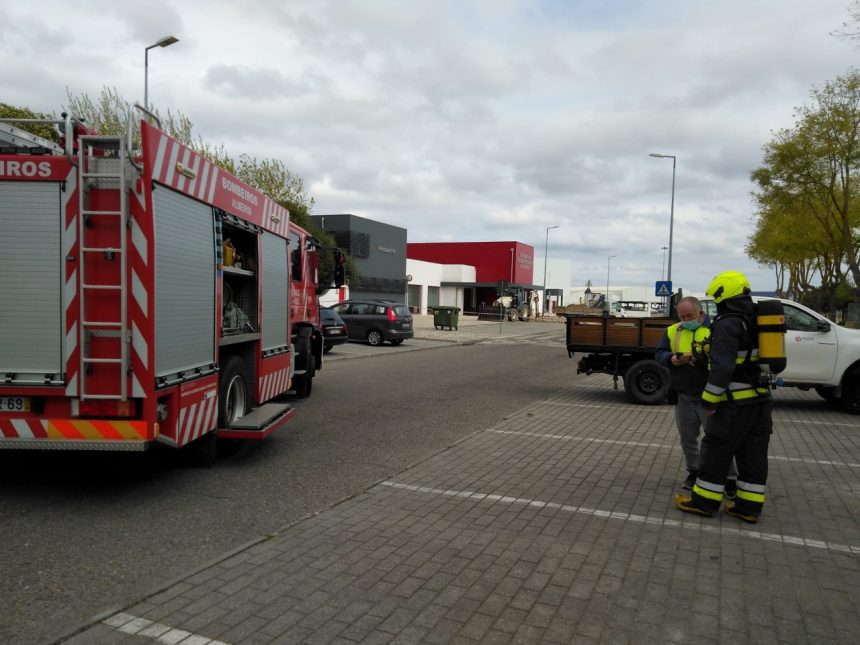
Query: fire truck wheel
[[232, 393], [304, 384], [375, 337], [647, 382]]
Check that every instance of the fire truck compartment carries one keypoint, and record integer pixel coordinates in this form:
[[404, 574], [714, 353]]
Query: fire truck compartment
[[31, 283]]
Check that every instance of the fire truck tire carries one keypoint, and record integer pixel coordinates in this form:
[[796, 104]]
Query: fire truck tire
[[233, 401], [304, 384], [375, 337], [646, 382]]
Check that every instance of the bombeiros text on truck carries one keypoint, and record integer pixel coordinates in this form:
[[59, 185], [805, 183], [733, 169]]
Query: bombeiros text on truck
[[148, 296]]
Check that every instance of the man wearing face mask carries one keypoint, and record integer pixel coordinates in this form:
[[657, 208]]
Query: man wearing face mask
[[680, 350]]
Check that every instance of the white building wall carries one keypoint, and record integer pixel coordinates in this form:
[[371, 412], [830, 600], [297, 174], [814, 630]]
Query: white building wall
[[429, 274]]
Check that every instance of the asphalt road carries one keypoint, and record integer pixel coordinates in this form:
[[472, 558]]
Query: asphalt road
[[84, 533]]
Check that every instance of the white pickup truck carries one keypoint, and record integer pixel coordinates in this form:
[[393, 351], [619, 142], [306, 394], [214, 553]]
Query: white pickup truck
[[821, 355]]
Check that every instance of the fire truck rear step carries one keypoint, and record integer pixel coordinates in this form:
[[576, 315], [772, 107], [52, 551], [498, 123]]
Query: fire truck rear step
[[260, 423]]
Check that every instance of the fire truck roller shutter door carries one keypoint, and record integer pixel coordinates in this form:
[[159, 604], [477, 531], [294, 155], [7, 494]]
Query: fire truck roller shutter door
[[31, 280], [184, 283], [276, 284]]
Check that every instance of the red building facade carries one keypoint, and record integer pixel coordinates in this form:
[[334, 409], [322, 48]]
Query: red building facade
[[499, 266]]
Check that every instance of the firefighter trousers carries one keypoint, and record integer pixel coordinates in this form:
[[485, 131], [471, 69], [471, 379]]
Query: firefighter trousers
[[743, 432]]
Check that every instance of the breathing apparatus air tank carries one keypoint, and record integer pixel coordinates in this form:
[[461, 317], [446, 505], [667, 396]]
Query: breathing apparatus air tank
[[770, 320]]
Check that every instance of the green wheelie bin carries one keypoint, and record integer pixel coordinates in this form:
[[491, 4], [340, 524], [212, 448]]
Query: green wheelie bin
[[446, 317]]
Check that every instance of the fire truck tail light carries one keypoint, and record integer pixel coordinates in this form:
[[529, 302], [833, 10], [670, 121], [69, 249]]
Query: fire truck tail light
[[106, 408]]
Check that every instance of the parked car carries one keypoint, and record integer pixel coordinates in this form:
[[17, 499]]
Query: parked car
[[334, 331], [376, 321]]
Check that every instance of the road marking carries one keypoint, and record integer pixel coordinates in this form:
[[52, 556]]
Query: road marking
[[663, 446], [632, 517], [614, 406], [165, 634], [816, 423]]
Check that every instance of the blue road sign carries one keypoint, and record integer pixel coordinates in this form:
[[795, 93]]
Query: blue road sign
[[663, 288]]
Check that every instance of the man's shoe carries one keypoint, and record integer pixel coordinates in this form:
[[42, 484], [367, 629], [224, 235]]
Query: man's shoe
[[730, 509], [685, 503], [691, 479], [731, 488]]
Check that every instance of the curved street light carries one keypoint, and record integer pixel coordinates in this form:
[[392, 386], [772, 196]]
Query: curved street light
[[161, 42]]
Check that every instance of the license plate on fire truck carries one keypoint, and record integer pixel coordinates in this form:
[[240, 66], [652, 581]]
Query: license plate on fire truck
[[14, 404]]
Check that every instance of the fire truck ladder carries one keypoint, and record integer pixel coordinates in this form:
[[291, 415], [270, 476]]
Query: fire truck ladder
[[102, 162], [18, 138]]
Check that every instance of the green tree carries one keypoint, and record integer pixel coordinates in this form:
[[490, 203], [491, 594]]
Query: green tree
[[806, 191]]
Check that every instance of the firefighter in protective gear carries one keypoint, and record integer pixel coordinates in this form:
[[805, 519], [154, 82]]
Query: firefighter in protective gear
[[679, 350], [740, 407]]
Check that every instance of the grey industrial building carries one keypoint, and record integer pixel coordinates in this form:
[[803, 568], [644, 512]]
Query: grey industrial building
[[378, 250]]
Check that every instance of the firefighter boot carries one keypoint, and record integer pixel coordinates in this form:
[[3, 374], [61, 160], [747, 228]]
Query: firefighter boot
[[685, 503], [731, 508]]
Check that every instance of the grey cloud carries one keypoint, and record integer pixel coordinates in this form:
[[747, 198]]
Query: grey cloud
[[245, 83]]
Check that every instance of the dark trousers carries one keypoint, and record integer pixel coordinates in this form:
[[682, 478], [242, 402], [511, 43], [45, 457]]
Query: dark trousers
[[742, 432]]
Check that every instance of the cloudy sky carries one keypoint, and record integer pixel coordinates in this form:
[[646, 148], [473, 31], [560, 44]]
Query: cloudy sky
[[473, 119]]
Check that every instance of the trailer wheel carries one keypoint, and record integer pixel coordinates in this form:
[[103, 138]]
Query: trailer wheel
[[233, 402], [647, 382]]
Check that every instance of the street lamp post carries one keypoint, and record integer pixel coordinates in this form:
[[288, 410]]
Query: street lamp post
[[606, 298], [545, 250], [161, 42], [663, 270], [671, 211]]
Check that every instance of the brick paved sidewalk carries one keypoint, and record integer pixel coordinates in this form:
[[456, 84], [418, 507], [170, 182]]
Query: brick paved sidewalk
[[554, 526]]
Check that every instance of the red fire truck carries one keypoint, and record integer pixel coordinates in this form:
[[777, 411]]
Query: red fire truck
[[145, 296]]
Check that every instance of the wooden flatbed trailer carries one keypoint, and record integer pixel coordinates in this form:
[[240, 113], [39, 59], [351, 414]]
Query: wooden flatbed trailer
[[622, 347]]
